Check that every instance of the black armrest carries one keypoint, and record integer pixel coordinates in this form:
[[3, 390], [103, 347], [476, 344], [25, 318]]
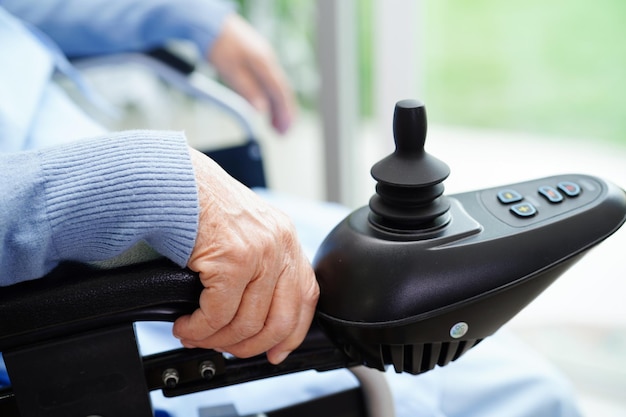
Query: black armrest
[[172, 60], [76, 297], [161, 54], [69, 334]]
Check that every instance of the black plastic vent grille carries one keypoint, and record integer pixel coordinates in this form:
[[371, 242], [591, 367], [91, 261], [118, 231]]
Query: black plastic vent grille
[[420, 358]]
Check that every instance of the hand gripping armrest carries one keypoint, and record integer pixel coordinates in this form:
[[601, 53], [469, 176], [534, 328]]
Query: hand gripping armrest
[[77, 299]]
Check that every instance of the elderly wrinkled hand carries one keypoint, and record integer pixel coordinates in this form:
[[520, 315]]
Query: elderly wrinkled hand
[[260, 290], [247, 62]]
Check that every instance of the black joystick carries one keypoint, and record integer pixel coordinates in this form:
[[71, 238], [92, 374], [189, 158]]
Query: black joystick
[[418, 278], [409, 191]]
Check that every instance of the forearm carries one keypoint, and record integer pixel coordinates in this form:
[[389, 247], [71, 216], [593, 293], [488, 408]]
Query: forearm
[[95, 199], [96, 27]]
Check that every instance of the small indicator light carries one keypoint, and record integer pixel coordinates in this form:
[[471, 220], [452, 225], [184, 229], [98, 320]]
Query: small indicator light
[[459, 330]]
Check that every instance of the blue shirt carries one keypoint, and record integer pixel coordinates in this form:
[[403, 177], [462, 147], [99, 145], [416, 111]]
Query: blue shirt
[[94, 27], [64, 199]]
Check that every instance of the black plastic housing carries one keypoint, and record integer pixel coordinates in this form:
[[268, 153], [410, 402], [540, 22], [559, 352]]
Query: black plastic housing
[[418, 298]]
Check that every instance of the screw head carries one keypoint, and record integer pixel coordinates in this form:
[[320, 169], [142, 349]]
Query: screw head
[[207, 369], [170, 378]]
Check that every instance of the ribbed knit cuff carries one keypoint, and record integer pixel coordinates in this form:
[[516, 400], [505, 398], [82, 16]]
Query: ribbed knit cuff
[[106, 194]]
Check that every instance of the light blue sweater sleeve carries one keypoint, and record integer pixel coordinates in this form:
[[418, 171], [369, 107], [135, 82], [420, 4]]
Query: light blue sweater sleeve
[[91, 27], [94, 199]]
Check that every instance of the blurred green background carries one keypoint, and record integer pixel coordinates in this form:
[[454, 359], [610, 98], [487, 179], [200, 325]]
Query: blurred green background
[[551, 67], [555, 68]]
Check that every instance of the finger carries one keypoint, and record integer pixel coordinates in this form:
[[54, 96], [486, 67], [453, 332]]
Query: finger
[[280, 321], [250, 317], [276, 88], [288, 320], [282, 112], [244, 82], [279, 352], [218, 306]]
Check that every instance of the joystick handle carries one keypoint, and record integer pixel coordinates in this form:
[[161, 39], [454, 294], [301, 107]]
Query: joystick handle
[[409, 127]]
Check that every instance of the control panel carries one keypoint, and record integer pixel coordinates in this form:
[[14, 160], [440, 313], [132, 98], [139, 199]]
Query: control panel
[[535, 201]]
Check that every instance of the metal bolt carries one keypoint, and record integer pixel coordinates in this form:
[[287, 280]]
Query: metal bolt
[[207, 370], [170, 378]]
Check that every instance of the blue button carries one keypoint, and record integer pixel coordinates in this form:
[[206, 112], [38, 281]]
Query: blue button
[[524, 210], [509, 196], [550, 194], [571, 189]]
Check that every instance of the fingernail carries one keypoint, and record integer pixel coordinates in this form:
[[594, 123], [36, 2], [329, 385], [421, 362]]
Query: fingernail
[[280, 357]]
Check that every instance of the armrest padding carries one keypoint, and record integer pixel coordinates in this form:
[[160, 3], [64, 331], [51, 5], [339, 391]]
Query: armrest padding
[[76, 297]]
